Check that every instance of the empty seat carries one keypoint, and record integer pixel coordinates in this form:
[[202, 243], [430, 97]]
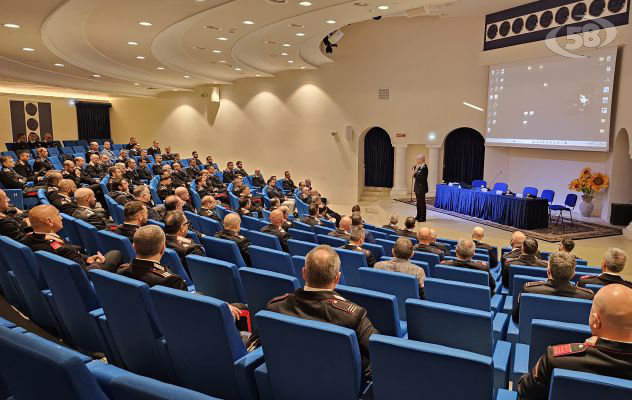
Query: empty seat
[[271, 260], [403, 286], [216, 278], [261, 286], [462, 275], [321, 230], [69, 230], [461, 294], [574, 385], [430, 258], [303, 235], [264, 240], [300, 226]]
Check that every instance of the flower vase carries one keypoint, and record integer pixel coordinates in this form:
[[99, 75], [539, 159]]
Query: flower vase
[[586, 207]]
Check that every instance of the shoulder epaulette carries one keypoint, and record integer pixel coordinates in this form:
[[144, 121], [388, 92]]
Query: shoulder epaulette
[[163, 274], [341, 305], [583, 289], [536, 283], [279, 298], [566, 349]]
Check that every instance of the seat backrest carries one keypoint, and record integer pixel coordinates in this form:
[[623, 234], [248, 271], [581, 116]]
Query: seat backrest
[[299, 247], [545, 333], [568, 384], [529, 190], [132, 320], [89, 235], [331, 240], [114, 241], [461, 274], [208, 226], [292, 372], [571, 200], [502, 186], [271, 260], [458, 293], [35, 368], [298, 262], [261, 286], [479, 183], [69, 231], [539, 272], [131, 386], [264, 240], [453, 326], [222, 249], [387, 245], [16, 197], [555, 308], [402, 286], [302, 235], [518, 283], [202, 338], [382, 307], [172, 261], [548, 194], [420, 264], [430, 258], [41, 196], [216, 278], [74, 298], [321, 230], [350, 262], [233, 200], [408, 368], [80, 149], [297, 225], [375, 249]]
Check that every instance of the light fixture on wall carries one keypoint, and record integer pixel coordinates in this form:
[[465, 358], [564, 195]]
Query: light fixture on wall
[[465, 103], [431, 136]]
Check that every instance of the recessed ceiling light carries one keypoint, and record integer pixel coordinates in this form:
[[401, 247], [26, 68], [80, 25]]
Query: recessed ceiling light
[[58, 64], [300, 34], [237, 69], [222, 38], [27, 49], [140, 57], [144, 23], [257, 75], [305, 3], [217, 51], [96, 75], [290, 62], [330, 21], [248, 22], [160, 68], [303, 67], [382, 7], [284, 54], [12, 26], [133, 43], [136, 84], [286, 45], [187, 76], [222, 61]]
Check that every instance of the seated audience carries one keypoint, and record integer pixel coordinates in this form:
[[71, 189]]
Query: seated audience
[[402, 252], [192, 170], [156, 169], [244, 207], [209, 161], [566, 246], [183, 194], [132, 143], [608, 352], [174, 203], [93, 169], [434, 243], [42, 164], [208, 208], [154, 149], [164, 187], [287, 224], [424, 236], [143, 172], [120, 191], [46, 222], [344, 229], [275, 228], [85, 211], [274, 204], [257, 179], [408, 231], [179, 176], [274, 192], [8, 177], [527, 256], [11, 226], [465, 250], [94, 149], [231, 229], [478, 233], [312, 218], [143, 194], [62, 197], [240, 171], [356, 240], [517, 238], [22, 166], [288, 183], [229, 174], [319, 301], [356, 220], [612, 265], [122, 157], [560, 270], [176, 230], [135, 215], [107, 150], [392, 224]]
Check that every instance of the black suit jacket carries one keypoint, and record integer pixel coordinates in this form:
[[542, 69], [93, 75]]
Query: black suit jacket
[[421, 180]]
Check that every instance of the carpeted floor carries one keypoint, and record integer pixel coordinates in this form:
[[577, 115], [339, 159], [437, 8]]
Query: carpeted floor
[[579, 229]]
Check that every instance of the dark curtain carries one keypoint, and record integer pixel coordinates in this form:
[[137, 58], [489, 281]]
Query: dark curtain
[[378, 159], [464, 156], [93, 120]]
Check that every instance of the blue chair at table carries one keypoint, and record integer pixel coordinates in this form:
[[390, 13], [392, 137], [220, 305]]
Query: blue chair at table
[[264, 240], [575, 385], [216, 278], [409, 370], [569, 205], [402, 286], [529, 190], [331, 240], [350, 263], [548, 195], [261, 286], [302, 235], [222, 249], [459, 327], [114, 241], [431, 259], [299, 247], [133, 323], [209, 226], [502, 186], [479, 183], [172, 261], [271, 260], [205, 347], [289, 374], [382, 307]]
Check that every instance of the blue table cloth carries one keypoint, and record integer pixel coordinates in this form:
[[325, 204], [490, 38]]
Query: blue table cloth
[[517, 212]]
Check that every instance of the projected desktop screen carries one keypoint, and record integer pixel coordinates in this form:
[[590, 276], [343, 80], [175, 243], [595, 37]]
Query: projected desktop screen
[[552, 103]]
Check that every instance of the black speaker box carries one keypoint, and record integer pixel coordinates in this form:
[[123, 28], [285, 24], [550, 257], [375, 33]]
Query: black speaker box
[[620, 214]]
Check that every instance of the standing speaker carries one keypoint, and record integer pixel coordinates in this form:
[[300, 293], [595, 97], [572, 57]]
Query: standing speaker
[[620, 214]]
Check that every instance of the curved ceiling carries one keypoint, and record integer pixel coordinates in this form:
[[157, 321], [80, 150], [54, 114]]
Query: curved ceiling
[[99, 45]]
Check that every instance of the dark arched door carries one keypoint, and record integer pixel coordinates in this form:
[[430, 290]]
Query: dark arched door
[[464, 156], [378, 158]]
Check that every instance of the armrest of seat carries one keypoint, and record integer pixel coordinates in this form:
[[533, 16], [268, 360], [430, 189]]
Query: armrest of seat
[[245, 368], [501, 356], [496, 303], [191, 288], [499, 326], [263, 385], [520, 362], [508, 306], [513, 330], [104, 336], [506, 395], [104, 374], [504, 291]]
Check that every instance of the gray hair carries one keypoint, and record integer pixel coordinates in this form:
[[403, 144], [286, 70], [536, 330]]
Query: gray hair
[[357, 234], [615, 259], [403, 248], [321, 266], [149, 241], [394, 219], [465, 249], [562, 266]]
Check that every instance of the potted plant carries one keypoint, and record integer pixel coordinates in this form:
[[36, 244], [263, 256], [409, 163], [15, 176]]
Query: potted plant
[[588, 184]]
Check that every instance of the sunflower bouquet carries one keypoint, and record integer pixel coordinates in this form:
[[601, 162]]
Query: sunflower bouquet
[[589, 182]]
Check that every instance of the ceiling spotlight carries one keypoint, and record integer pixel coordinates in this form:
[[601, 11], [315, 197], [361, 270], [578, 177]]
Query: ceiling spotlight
[[257, 75], [144, 23], [96, 75], [330, 21], [136, 84], [237, 69], [248, 22], [28, 49], [58, 64], [300, 34], [286, 45], [12, 26], [383, 7], [217, 51], [305, 3], [140, 57], [187, 76], [222, 38], [303, 67], [222, 61], [284, 54], [133, 43], [160, 68], [290, 62]]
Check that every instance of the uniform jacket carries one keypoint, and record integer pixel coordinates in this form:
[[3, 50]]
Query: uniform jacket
[[426, 248], [127, 230], [152, 273], [12, 228], [552, 288], [603, 279], [184, 247], [370, 258], [122, 198], [53, 243], [208, 213], [90, 216], [24, 169], [278, 232], [11, 179], [339, 233], [493, 256], [310, 220], [42, 165], [421, 179], [63, 203], [242, 243]]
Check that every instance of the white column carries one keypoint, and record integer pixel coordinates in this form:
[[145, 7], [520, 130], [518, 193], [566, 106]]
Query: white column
[[400, 172], [433, 167]]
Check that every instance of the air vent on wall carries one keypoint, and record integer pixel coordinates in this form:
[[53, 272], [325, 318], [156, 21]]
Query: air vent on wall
[[277, 1], [383, 94]]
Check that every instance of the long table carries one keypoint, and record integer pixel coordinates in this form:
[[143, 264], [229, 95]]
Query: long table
[[513, 211]]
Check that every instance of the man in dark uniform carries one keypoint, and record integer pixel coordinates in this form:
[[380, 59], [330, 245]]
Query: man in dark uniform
[[143, 194], [312, 218], [465, 250], [179, 176], [131, 174], [257, 179], [23, 167], [240, 171], [156, 169], [441, 246], [46, 222], [42, 164], [275, 228], [231, 229], [176, 229], [229, 174], [192, 170], [274, 192], [424, 236], [478, 233], [318, 301], [612, 264], [183, 194], [10, 225], [560, 270], [214, 183], [528, 255], [62, 197], [93, 169], [131, 144], [517, 238], [94, 149], [409, 226], [8, 177], [135, 214], [288, 183], [86, 201], [244, 207], [143, 170], [356, 240], [608, 352], [208, 208], [164, 187], [120, 191], [343, 230], [392, 223], [420, 173], [154, 149]]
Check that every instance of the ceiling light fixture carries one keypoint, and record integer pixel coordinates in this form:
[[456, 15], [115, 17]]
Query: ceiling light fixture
[[136, 84], [465, 103], [383, 7], [330, 21], [290, 62], [140, 57], [257, 75], [144, 23], [217, 51], [237, 69], [286, 45], [58, 64], [187, 76], [27, 49], [160, 68], [284, 54], [222, 61], [248, 22], [133, 43], [96, 75], [303, 67], [222, 38], [300, 34], [11, 26], [305, 3]]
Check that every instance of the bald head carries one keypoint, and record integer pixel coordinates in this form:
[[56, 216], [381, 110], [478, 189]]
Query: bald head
[[276, 217], [478, 233], [322, 268], [517, 239], [232, 222], [45, 218], [421, 159], [85, 197], [67, 186], [424, 235], [611, 313], [345, 223]]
